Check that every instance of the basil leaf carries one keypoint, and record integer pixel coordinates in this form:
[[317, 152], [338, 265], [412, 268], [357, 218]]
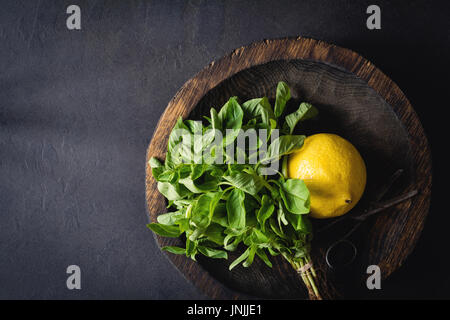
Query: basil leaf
[[283, 145], [197, 170], [241, 258], [236, 209], [173, 249], [183, 171], [208, 183], [216, 171], [195, 234], [277, 228], [191, 247], [202, 144], [295, 196], [300, 222], [157, 167], [167, 176], [213, 253], [155, 163], [259, 238], [194, 126], [266, 210], [282, 96], [263, 256], [230, 116], [214, 233], [170, 218], [281, 215], [183, 204], [251, 205], [220, 215], [183, 224], [203, 209], [215, 121], [300, 252], [258, 107], [172, 191], [251, 256], [304, 112], [164, 230], [250, 183], [233, 245], [177, 149]]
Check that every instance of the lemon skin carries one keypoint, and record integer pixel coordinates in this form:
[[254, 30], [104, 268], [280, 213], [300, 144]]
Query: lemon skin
[[334, 172]]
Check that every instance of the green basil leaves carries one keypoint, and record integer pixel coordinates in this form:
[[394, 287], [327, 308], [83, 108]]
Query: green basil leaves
[[225, 205]]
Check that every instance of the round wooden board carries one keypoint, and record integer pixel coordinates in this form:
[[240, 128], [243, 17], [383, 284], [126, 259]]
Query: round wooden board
[[358, 102]]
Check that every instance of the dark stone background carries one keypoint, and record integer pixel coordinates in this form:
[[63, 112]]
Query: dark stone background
[[78, 109]]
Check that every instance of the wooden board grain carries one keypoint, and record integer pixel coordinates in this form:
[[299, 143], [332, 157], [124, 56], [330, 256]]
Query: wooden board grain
[[355, 100]]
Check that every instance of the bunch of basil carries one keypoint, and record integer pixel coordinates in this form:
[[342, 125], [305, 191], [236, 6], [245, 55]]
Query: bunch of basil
[[221, 206]]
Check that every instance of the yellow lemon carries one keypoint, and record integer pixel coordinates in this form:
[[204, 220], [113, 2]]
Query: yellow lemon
[[334, 172]]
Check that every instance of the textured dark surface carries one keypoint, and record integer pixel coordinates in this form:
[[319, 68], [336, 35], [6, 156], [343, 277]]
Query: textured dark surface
[[78, 108]]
